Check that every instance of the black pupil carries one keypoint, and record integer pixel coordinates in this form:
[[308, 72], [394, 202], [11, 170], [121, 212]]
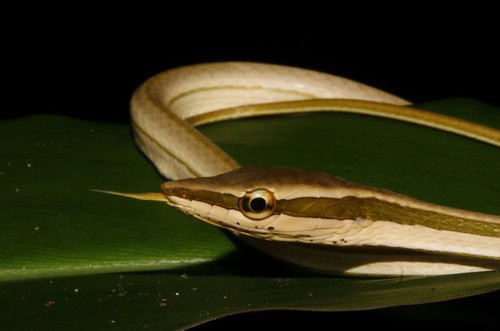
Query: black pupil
[[258, 204]]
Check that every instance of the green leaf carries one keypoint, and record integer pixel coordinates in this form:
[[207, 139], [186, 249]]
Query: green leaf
[[177, 298], [55, 232]]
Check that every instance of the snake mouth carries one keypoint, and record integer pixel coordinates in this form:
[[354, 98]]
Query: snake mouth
[[181, 206]]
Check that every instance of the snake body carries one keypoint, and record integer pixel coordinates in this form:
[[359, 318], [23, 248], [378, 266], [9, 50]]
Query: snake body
[[307, 218]]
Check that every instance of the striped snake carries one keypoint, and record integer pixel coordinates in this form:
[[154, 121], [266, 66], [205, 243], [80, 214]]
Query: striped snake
[[304, 217]]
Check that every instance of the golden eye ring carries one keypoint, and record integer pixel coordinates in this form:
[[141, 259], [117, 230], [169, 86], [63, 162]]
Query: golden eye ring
[[257, 205]]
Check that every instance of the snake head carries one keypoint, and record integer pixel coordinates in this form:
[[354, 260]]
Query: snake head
[[271, 203]]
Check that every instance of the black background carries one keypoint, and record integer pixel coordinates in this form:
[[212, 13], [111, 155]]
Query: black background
[[88, 66]]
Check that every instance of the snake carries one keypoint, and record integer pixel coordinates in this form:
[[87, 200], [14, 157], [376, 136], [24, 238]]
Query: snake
[[303, 217]]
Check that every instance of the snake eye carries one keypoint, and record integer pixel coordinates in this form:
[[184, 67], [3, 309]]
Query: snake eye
[[258, 204]]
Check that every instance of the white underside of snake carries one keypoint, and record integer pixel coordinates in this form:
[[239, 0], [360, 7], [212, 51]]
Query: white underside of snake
[[304, 217]]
